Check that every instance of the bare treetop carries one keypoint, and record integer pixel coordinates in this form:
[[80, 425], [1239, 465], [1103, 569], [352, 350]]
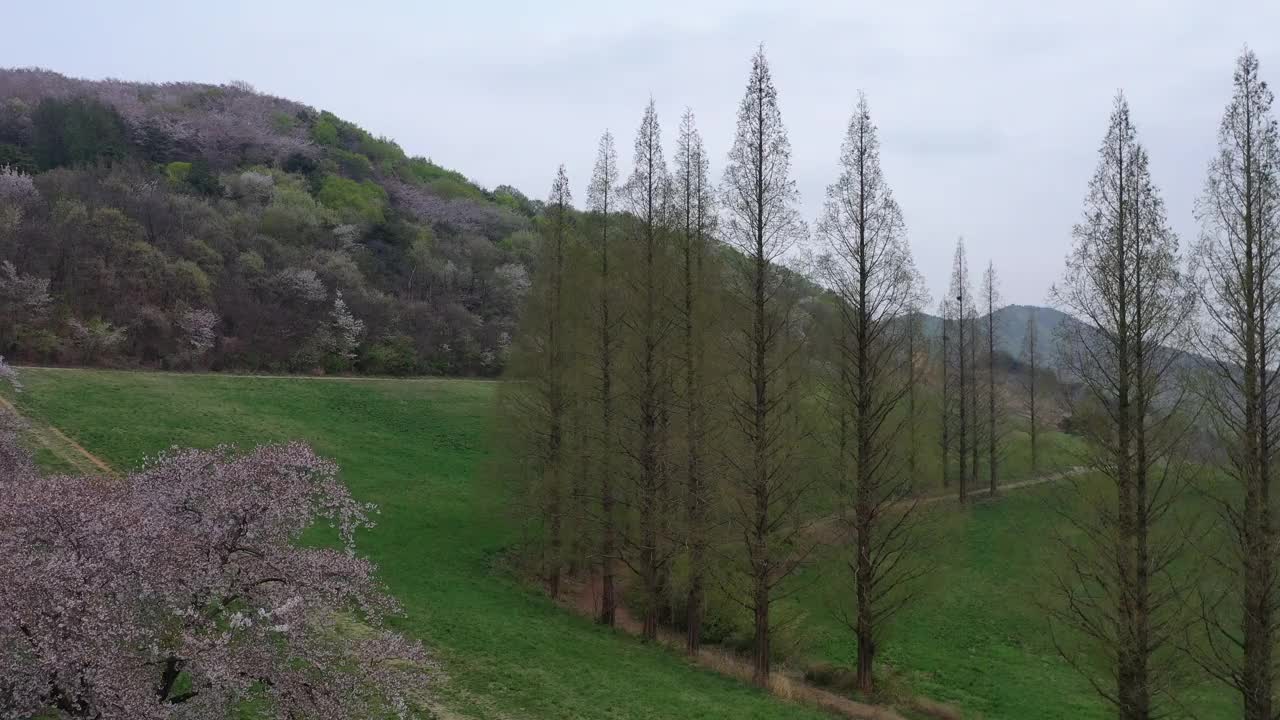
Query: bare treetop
[[867, 258], [760, 197], [1124, 215], [694, 195], [604, 178], [648, 189]]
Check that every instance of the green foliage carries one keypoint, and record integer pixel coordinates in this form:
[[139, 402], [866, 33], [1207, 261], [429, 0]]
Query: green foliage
[[15, 157], [513, 199], [450, 183], [454, 188], [359, 202], [190, 283], [379, 149], [523, 244], [177, 172], [293, 214], [193, 177], [417, 448], [393, 355], [75, 132], [202, 180], [353, 165], [324, 132]]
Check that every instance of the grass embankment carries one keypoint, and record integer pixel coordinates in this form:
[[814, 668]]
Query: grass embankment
[[413, 447]]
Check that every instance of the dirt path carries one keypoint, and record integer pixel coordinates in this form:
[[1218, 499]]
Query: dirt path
[[57, 442], [829, 526]]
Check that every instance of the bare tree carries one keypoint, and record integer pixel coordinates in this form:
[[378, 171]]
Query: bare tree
[[762, 223], [601, 202], [695, 215], [976, 390], [995, 410], [961, 363], [868, 264], [916, 346], [648, 549], [1031, 388], [1120, 592], [537, 405], [1237, 262], [944, 312]]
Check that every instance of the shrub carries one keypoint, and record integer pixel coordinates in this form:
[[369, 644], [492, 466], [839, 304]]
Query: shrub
[[379, 149], [361, 202], [393, 355], [324, 132], [177, 172], [353, 165]]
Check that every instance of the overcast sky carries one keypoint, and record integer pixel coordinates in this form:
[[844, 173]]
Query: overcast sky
[[990, 112]]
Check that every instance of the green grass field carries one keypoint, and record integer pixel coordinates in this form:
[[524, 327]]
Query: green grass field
[[413, 447], [976, 638]]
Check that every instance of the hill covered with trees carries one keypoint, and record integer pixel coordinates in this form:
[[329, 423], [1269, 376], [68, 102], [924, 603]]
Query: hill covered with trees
[[198, 226]]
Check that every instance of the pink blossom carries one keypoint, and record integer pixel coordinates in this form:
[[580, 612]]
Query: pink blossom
[[184, 589]]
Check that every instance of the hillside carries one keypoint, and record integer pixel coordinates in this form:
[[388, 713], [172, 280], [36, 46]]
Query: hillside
[[185, 225], [1011, 329]]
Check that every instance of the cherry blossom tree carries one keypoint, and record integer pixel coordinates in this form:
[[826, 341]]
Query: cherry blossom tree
[[185, 591], [198, 328], [347, 329]]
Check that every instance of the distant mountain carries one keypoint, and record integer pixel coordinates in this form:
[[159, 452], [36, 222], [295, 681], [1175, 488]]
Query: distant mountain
[[1011, 329]]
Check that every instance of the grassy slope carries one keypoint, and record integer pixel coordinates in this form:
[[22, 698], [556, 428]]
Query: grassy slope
[[414, 448], [976, 638]]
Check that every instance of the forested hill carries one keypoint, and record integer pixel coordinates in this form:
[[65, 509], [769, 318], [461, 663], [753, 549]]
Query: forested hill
[[199, 226], [1011, 330]]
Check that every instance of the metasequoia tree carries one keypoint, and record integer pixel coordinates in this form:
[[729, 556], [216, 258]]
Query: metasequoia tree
[[763, 432], [917, 346], [556, 239], [184, 591], [990, 298], [944, 424], [868, 265], [649, 325], [601, 202], [977, 389], [961, 366], [1120, 592], [694, 216], [1031, 387], [1237, 261], [538, 403]]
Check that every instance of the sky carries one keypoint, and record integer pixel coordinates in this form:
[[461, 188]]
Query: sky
[[990, 113]]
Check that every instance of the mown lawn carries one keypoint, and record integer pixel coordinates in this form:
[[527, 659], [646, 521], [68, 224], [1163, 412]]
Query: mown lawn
[[415, 447]]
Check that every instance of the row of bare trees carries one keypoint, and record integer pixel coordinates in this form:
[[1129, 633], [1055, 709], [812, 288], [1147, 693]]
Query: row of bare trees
[[1149, 590], [974, 418], [660, 408], [670, 380]]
